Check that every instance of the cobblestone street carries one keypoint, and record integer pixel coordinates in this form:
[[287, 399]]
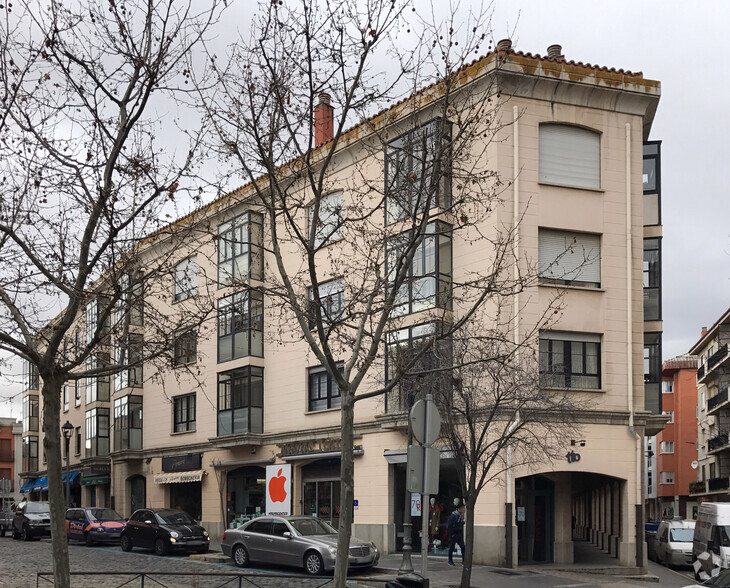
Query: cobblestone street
[[20, 562]]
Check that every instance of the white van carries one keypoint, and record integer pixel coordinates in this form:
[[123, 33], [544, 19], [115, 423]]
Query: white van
[[711, 540]]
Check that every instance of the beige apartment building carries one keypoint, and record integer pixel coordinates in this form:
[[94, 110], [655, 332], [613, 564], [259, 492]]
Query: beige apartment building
[[712, 351], [573, 154]]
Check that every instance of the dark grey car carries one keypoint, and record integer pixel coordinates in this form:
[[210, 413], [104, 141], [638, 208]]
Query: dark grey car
[[32, 520], [298, 541]]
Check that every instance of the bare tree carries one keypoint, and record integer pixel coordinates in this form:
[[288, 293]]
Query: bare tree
[[495, 416], [360, 223], [84, 177]]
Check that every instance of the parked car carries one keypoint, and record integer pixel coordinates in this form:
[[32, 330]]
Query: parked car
[[674, 542], [32, 520], [299, 541], [94, 525], [711, 541], [164, 530], [6, 519]]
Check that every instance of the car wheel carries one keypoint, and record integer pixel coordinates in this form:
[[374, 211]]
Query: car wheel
[[25, 533], [240, 556], [160, 547], [88, 540], [313, 563], [125, 543]]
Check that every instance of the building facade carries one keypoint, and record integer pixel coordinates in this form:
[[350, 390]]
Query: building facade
[[585, 181], [713, 377], [10, 432], [676, 446]]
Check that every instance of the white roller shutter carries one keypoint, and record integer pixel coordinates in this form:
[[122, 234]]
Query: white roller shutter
[[569, 257], [570, 156]]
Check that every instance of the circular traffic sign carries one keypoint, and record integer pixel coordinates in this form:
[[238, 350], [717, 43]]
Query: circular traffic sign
[[425, 421]]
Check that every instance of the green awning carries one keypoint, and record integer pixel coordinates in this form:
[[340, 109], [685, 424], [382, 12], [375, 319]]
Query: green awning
[[94, 480]]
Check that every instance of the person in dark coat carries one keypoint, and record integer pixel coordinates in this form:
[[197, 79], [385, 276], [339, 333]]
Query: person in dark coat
[[455, 527]]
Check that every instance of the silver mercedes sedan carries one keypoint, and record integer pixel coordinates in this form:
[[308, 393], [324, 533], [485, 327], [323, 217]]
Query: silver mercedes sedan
[[300, 541]]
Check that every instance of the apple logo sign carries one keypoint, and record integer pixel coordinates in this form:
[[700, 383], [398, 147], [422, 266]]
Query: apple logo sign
[[276, 487]]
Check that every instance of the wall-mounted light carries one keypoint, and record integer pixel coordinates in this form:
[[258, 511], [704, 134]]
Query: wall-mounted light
[[253, 451], [579, 442]]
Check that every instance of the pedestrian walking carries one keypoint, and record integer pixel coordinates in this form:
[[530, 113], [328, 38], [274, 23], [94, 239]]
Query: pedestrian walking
[[455, 528]]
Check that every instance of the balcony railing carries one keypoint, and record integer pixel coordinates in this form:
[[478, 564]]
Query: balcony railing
[[715, 484], [716, 357], [697, 487], [700, 372], [717, 442], [717, 399]]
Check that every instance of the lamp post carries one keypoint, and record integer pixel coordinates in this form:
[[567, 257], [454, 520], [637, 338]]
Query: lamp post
[[68, 430]]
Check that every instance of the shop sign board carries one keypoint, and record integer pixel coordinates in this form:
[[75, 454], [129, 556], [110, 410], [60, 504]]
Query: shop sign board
[[278, 489], [182, 463]]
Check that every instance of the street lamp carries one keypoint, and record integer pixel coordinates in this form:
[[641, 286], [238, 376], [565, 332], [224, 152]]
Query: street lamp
[[68, 430]]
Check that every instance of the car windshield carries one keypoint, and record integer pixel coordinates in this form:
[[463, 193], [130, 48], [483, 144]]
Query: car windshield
[[312, 526], [104, 514], [37, 507], [681, 535], [174, 517]]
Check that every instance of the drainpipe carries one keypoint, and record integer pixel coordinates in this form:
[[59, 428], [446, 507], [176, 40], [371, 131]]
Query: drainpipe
[[639, 510], [509, 511]]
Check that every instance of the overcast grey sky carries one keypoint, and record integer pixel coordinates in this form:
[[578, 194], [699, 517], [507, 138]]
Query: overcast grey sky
[[682, 44]]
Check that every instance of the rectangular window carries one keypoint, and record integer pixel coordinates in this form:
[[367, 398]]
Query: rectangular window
[[239, 249], [667, 477], [241, 401], [329, 219], [418, 171], [77, 392], [652, 280], [570, 360], [184, 413], [653, 372], [186, 348], [65, 397], [331, 299], [97, 432], [77, 436], [429, 373], [666, 447], [30, 376], [128, 353], [98, 320], [77, 342], [186, 278], [129, 307], [667, 387], [570, 156], [670, 414], [569, 258], [427, 281], [652, 183], [128, 423], [97, 387], [241, 325], [30, 413], [30, 454], [323, 390]]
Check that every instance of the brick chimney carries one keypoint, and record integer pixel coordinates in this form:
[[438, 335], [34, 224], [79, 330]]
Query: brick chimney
[[324, 120], [704, 332]]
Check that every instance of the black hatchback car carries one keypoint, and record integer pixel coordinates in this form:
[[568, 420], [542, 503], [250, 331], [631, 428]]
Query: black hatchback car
[[164, 530]]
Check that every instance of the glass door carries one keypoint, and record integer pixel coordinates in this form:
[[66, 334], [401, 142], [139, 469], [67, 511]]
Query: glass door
[[322, 500]]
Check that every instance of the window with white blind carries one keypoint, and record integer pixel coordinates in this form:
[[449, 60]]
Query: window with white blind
[[570, 156], [569, 258], [666, 447]]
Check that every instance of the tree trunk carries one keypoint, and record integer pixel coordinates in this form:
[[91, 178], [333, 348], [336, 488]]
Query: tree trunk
[[347, 494], [52, 445], [468, 543]]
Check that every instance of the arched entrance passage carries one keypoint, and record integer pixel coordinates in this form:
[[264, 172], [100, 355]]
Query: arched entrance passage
[[137, 492], [567, 517]]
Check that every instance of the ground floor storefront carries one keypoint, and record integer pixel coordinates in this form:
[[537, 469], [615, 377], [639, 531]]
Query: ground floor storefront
[[526, 516]]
